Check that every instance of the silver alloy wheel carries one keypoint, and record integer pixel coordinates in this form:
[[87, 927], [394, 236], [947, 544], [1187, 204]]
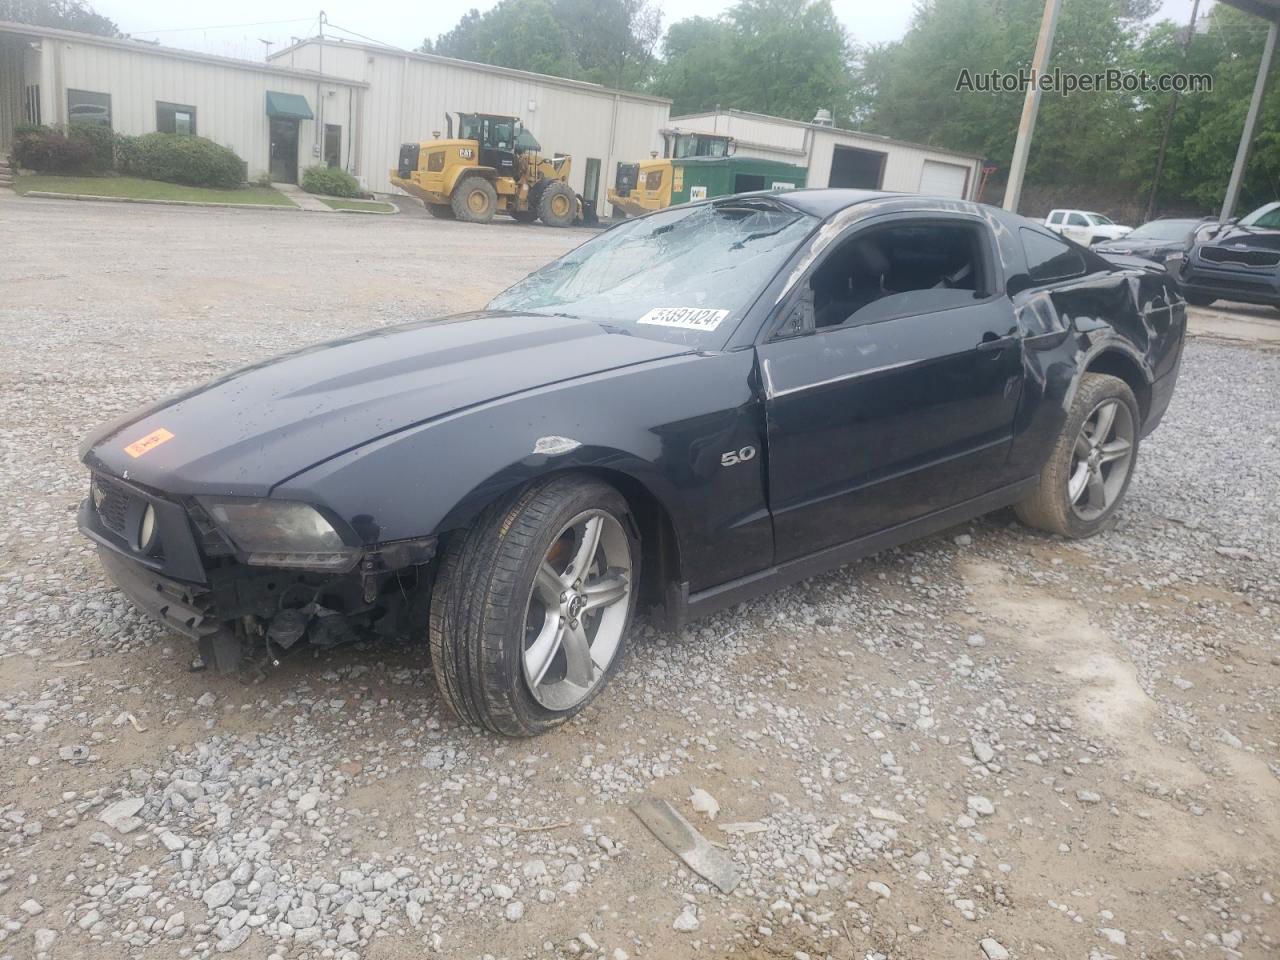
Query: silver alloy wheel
[[1101, 459], [577, 610]]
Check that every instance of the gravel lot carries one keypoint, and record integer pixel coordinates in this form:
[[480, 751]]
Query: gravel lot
[[989, 744]]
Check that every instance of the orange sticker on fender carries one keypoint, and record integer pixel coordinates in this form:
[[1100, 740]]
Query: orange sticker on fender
[[148, 443]]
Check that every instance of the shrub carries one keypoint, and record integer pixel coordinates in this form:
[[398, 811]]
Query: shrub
[[46, 150], [330, 181], [179, 158], [99, 140]]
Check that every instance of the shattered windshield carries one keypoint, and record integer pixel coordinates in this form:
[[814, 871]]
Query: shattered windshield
[[686, 274]]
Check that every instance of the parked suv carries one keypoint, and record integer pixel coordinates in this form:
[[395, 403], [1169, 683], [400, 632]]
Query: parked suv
[[1238, 261], [1084, 226]]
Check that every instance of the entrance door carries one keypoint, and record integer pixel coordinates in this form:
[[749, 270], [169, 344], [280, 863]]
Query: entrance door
[[284, 149], [591, 181], [332, 145], [851, 167]]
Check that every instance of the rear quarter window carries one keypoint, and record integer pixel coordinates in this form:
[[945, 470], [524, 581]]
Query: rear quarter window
[[1050, 259]]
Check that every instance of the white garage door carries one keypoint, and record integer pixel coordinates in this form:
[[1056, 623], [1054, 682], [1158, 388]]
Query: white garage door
[[943, 179]]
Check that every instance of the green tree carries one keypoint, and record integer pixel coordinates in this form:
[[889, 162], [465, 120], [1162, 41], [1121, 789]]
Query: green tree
[[1079, 136], [698, 56], [788, 58], [601, 41], [63, 14], [521, 34]]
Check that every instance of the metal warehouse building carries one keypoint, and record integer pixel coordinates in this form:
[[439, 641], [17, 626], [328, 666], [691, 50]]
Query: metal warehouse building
[[320, 101], [351, 105], [844, 158], [264, 112], [409, 94]]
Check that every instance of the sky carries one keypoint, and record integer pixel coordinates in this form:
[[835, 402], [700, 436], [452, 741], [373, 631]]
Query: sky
[[235, 28]]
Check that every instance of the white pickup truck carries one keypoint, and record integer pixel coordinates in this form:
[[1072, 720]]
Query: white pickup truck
[[1084, 226]]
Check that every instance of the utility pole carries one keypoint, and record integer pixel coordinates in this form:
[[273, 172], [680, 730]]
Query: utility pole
[[1250, 125], [318, 123], [1173, 109], [1031, 105]]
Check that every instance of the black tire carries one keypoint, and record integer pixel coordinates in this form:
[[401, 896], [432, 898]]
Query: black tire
[[558, 205], [481, 595], [1049, 506], [441, 211], [1200, 300], [474, 200]]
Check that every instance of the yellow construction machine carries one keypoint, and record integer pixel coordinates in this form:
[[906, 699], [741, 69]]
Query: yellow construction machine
[[494, 166]]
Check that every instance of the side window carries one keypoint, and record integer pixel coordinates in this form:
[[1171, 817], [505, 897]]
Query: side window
[[905, 268], [1049, 258], [1055, 217], [1077, 220]]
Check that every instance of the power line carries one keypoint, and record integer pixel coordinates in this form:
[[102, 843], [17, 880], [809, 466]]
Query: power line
[[363, 37]]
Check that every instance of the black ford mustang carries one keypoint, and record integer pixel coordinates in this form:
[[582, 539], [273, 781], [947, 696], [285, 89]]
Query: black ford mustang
[[691, 408]]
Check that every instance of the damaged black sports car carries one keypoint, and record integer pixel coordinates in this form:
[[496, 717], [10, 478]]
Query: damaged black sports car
[[691, 408]]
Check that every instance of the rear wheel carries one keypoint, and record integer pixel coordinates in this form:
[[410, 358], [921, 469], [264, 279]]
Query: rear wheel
[[441, 211], [558, 206], [1089, 469], [474, 200], [531, 604]]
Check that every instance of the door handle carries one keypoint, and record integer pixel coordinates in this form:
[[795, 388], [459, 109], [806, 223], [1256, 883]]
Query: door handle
[[990, 342]]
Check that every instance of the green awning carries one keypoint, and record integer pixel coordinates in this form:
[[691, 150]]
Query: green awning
[[288, 105]]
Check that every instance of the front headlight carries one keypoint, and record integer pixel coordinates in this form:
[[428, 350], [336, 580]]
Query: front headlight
[[280, 533]]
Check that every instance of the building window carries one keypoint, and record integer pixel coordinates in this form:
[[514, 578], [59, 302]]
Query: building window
[[31, 104], [175, 118], [86, 107]]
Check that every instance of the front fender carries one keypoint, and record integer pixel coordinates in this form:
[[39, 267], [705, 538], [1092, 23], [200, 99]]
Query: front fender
[[662, 425]]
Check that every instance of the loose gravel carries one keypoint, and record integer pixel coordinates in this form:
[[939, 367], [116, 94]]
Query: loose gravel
[[990, 744]]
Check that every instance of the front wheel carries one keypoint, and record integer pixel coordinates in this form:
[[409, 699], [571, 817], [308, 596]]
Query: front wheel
[[474, 200], [1089, 469], [557, 206], [531, 605]]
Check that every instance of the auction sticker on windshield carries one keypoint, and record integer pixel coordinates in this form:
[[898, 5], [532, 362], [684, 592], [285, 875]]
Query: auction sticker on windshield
[[688, 318]]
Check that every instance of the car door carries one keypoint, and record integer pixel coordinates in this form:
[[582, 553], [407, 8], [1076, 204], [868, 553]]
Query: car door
[[1076, 227], [905, 408]]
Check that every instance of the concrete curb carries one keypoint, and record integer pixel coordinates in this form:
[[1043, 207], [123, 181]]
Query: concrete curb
[[48, 195]]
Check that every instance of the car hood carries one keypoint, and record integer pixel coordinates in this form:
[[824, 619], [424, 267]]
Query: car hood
[[248, 431], [1239, 236], [1137, 247]]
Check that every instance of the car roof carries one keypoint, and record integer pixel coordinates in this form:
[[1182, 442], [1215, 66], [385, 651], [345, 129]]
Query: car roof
[[824, 201]]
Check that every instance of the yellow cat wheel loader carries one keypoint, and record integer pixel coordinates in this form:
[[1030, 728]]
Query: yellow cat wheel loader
[[494, 166]]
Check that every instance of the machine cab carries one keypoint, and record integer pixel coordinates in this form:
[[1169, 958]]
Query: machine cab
[[679, 145], [497, 137]]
